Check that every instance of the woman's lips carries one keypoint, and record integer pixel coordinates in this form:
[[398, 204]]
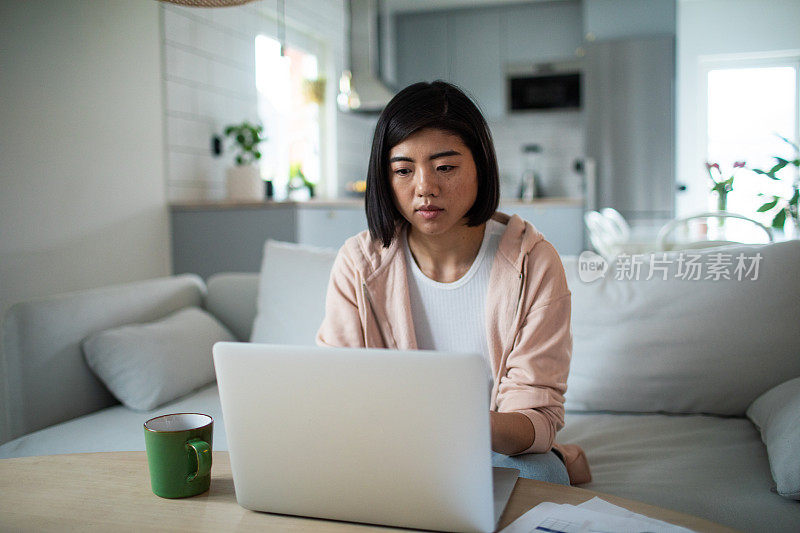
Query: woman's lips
[[429, 212]]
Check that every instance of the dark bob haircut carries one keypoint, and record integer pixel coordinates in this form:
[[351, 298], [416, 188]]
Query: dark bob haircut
[[438, 105]]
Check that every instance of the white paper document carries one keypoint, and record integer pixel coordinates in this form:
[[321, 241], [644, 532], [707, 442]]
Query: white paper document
[[592, 516]]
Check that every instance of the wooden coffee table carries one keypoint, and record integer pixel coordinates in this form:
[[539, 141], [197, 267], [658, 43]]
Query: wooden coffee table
[[111, 491]]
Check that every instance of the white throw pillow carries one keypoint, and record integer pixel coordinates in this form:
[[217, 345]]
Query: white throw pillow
[[685, 346], [147, 365], [291, 293], [776, 413]]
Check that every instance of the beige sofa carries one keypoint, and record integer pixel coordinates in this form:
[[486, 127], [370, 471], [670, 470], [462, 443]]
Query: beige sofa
[[663, 372]]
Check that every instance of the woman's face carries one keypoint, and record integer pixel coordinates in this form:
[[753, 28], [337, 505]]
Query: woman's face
[[434, 181]]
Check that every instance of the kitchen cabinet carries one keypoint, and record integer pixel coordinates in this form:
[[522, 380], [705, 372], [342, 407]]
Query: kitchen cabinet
[[472, 47], [329, 226], [622, 19], [547, 31], [561, 223], [227, 237], [422, 48], [477, 66]]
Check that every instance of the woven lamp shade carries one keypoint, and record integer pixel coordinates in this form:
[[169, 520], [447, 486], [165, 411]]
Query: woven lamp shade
[[208, 3]]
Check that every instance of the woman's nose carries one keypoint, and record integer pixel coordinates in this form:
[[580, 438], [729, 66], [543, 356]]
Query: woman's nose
[[427, 182]]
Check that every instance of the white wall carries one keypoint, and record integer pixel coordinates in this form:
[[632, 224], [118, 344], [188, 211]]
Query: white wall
[[210, 83], [708, 29], [82, 200]]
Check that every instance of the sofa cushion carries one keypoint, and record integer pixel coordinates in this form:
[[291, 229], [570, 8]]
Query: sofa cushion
[[146, 365], [114, 429], [231, 298], [44, 379], [776, 413], [681, 345], [708, 466], [291, 293]]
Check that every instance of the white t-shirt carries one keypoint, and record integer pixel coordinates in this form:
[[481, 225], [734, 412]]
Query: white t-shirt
[[451, 316]]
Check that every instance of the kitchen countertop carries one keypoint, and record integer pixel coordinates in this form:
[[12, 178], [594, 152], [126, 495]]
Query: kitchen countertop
[[343, 203]]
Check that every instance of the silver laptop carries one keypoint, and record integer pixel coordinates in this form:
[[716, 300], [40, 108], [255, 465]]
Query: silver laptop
[[387, 437]]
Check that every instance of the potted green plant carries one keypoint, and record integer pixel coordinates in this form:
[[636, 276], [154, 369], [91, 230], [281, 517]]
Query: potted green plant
[[300, 188], [785, 205], [243, 181]]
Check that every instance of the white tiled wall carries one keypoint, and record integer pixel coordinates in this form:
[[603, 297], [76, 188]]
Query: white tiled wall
[[209, 77], [561, 136], [353, 147]]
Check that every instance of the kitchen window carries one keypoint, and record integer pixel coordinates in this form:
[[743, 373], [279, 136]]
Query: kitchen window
[[289, 108], [750, 103]]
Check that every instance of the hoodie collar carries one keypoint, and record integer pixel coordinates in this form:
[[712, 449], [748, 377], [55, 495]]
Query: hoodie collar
[[518, 240]]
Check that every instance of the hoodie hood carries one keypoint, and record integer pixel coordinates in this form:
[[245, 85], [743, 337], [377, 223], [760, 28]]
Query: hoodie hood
[[519, 239]]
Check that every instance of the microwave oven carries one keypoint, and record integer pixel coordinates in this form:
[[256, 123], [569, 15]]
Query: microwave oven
[[555, 90]]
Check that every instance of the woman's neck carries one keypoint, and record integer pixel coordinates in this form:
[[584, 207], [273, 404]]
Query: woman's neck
[[446, 258]]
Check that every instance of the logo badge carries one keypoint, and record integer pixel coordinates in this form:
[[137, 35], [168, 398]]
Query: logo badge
[[591, 266]]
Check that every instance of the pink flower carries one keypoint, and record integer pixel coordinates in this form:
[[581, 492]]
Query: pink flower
[[720, 183]]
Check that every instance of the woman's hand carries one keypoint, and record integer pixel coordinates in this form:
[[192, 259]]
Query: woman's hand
[[511, 432]]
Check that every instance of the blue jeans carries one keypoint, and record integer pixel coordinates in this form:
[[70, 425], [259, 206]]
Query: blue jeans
[[540, 466]]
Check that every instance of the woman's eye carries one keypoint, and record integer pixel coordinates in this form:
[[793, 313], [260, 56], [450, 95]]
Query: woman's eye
[[445, 168], [402, 171]]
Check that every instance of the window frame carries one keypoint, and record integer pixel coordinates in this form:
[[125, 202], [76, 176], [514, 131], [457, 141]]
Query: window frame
[[739, 61]]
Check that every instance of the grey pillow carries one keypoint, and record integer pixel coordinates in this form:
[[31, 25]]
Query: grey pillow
[[147, 365], [776, 413]]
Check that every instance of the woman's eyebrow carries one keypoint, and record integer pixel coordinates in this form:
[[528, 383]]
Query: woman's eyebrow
[[444, 154], [432, 157]]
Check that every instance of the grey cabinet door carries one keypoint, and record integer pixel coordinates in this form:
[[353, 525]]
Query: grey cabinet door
[[329, 227], [422, 53], [207, 240], [477, 65], [561, 225], [545, 31], [629, 101]]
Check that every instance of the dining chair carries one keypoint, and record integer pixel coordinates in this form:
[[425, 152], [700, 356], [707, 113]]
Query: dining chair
[[724, 235], [603, 234], [618, 222]]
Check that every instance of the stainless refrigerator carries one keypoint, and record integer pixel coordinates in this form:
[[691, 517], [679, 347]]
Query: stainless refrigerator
[[629, 101]]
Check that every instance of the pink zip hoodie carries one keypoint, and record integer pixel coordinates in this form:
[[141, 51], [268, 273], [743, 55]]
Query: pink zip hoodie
[[528, 308]]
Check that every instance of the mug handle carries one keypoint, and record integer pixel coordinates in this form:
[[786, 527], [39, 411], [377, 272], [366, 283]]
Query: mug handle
[[203, 453]]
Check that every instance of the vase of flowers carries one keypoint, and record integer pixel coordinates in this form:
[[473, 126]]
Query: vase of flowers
[[785, 205], [721, 186]]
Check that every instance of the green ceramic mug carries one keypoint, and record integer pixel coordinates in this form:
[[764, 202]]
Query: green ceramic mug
[[179, 454]]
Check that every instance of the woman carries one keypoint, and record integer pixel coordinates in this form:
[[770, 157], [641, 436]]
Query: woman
[[440, 269]]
